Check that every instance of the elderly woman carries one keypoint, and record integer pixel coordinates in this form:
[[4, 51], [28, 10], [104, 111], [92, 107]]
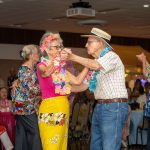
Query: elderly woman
[[26, 98], [55, 83]]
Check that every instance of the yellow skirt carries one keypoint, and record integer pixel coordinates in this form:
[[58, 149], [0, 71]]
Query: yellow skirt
[[53, 123]]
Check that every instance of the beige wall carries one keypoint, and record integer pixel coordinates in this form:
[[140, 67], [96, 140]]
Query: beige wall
[[9, 57]]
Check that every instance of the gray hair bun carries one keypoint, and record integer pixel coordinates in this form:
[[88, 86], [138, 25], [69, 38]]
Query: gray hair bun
[[23, 54], [28, 50]]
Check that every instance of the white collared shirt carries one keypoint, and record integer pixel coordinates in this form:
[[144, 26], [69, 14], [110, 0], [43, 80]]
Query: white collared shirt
[[111, 79]]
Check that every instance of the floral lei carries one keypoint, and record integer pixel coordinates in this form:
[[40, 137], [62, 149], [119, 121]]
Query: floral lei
[[59, 76], [91, 76]]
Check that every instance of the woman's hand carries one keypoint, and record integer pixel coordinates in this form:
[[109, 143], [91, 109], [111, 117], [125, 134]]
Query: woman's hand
[[46, 70]]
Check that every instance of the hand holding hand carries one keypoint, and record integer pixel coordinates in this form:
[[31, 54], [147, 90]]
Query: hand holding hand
[[65, 53], [68, 50]]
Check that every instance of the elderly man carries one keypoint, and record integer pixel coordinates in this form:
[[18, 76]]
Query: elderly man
[[107, 81]]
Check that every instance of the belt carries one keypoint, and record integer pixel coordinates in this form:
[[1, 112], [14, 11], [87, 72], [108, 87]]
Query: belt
[[115, 100]]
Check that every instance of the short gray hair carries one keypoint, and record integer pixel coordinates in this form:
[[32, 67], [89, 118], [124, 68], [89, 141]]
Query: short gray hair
[[28, 50]]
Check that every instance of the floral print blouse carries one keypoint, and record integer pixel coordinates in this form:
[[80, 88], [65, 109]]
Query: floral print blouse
[[27, 97]]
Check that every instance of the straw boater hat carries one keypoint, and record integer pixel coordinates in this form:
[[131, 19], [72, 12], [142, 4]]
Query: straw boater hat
[[98, 33]]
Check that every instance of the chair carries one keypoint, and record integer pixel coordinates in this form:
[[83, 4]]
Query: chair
[[140, 129]]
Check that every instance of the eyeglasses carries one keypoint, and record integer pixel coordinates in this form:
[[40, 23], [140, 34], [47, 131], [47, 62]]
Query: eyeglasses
[[58, 47]]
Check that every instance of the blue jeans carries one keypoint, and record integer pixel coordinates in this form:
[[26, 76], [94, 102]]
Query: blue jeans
[[148, 134], [107, 123]]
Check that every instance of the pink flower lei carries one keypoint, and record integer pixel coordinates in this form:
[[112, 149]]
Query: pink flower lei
[[59, 76]]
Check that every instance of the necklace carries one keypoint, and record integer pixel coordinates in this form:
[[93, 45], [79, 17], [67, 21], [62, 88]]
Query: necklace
[[91, 76], [59, 76]]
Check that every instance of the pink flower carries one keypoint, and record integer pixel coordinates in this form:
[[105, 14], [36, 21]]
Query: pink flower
[[49, 38], [43, 47]]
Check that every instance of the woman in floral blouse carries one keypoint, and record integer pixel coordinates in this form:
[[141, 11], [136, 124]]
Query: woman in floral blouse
[[55, 83], [26, 99]]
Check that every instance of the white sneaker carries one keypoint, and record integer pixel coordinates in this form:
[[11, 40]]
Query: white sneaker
[[124, 144]]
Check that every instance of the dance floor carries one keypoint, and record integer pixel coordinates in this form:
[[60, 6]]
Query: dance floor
[[73, 145]]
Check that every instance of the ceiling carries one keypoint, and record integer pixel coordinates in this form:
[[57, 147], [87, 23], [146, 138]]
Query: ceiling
[[125, 18]]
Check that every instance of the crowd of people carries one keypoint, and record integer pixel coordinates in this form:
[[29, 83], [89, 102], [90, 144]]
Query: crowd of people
[[38, 116]]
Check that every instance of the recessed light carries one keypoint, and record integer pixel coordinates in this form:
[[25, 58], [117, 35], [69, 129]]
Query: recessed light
[[15, 25], [103, 12], [54, 19], [49, 19], [92, 22], [146, 5], [1, 1]]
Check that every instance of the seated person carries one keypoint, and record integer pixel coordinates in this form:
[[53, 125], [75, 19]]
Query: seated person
[[138, 89], [132, 101], [143, 98], [7, 119]]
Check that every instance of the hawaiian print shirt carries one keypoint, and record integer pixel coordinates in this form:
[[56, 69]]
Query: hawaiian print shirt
[[27, 97]]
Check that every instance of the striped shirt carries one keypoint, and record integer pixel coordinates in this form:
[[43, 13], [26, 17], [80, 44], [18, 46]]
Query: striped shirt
[[111, 79]]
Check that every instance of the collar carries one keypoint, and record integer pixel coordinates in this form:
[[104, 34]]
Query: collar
[[104, 51]]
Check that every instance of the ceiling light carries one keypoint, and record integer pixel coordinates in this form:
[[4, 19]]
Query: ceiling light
[[146, 5], [1, 1], [81, 10]]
